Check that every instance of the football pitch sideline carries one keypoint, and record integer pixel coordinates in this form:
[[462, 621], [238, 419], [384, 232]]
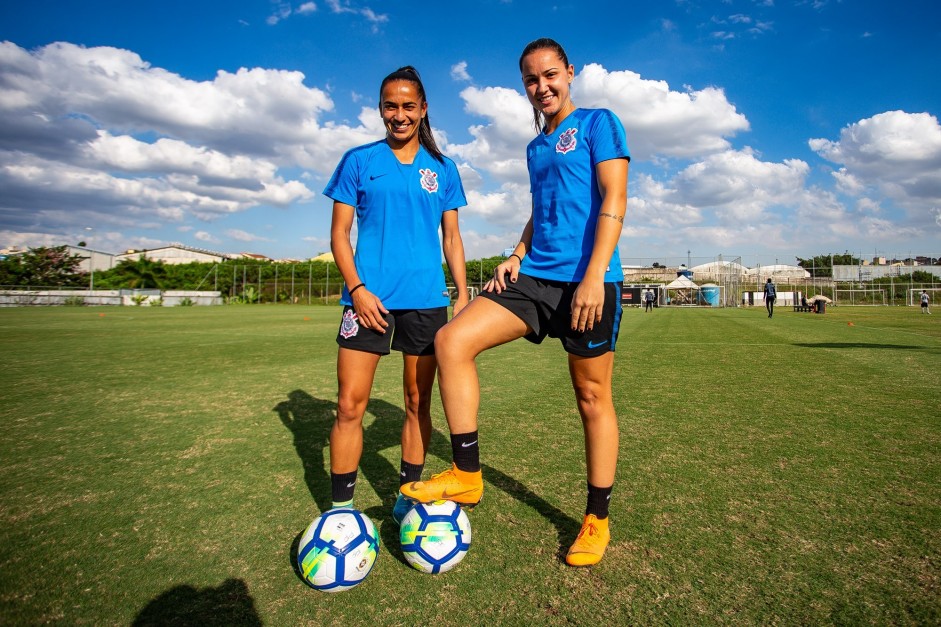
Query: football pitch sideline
[[158, 465]]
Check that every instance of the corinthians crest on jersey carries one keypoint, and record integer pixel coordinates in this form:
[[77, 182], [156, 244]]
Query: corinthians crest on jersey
[[429, 180], [567, 141]]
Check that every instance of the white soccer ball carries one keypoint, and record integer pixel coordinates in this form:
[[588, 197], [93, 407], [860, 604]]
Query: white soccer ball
[[435, 536], [338, 550]]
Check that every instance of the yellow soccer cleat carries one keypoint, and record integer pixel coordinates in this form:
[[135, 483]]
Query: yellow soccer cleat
[[591, 542], [464, 488]]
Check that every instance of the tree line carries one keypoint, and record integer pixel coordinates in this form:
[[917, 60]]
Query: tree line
[[822, 265], [55, 267], [261, 280]]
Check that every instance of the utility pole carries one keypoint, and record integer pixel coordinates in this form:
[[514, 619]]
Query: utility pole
[[91, 266]]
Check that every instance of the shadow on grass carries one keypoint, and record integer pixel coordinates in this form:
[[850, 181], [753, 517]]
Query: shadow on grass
[[310, 419], [566, 526], [857, 345], [227, 604]]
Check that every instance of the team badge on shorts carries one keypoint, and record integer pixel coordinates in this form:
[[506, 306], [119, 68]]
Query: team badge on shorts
[[566, 141], [429, 181], [350, 325]]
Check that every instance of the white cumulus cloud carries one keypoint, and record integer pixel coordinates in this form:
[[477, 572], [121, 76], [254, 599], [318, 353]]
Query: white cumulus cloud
[[658, 120], [895, 154]]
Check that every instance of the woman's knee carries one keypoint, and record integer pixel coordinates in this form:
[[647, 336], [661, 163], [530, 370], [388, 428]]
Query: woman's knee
[[417, 404], [447, 344], [593, 396], [350, 410]]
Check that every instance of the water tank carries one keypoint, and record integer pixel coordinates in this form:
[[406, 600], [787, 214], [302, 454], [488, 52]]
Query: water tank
[[710, 294]]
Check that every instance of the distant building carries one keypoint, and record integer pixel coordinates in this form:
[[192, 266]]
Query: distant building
[[174, 255], [324, 257], [254, 256], [92, 259], [716, 270], [777, 272]]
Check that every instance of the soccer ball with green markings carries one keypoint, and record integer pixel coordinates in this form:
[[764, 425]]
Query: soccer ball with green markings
[[338, 550], [435, 536]]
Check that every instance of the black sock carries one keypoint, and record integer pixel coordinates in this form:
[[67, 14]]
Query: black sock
[[598, 501], [342, 486], [409, 472], [466, 451]]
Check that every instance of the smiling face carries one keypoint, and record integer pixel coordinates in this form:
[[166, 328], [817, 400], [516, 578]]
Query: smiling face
[[547, 81], [402, 110]]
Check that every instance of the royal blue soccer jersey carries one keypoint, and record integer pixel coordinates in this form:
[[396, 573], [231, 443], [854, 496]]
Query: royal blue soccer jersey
[[398, 212], [566, 199]]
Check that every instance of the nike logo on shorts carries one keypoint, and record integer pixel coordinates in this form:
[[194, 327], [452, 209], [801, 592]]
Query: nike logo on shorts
[[596, 344]]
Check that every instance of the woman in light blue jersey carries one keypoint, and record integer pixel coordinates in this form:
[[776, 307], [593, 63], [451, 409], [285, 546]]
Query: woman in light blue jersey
[[563, 280], [400, 190]]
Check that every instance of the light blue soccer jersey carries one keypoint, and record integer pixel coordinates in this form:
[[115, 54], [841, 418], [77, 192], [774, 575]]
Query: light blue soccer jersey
[[566, 200], [398, 212]]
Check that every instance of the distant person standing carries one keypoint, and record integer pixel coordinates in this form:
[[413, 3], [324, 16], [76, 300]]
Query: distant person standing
[[771, 293], [924, 302], [648, 301]]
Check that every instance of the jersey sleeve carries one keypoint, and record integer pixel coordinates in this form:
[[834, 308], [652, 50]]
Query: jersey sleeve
[[344, 184], [608, 139], [454, 189]]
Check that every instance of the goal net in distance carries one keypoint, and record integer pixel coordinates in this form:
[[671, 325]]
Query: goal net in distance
[[914, 296]]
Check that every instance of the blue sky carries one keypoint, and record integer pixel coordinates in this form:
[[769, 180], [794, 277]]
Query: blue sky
[[762, 129]]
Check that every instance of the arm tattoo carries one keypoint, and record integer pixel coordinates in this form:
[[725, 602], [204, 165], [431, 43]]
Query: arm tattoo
[[612, 216]]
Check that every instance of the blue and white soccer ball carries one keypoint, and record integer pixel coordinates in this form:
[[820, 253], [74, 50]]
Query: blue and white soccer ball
[[338, 550], [435, 536]]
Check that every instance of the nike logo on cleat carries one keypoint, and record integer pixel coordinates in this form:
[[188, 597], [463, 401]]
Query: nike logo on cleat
[[449, 494]]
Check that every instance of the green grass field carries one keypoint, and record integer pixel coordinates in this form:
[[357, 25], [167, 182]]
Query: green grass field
[[157, 466]]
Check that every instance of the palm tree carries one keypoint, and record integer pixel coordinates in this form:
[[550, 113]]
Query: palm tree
[[142, 273]]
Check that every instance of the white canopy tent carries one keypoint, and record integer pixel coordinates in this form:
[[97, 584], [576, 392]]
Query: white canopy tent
[[683, 289], [682, 283]]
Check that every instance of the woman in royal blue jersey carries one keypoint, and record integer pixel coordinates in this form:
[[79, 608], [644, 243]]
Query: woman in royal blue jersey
[[401, 190], [563, 280]]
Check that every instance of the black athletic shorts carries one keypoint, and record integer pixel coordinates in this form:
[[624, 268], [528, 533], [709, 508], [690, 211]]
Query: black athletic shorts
[[546, 306], [411, 331]]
